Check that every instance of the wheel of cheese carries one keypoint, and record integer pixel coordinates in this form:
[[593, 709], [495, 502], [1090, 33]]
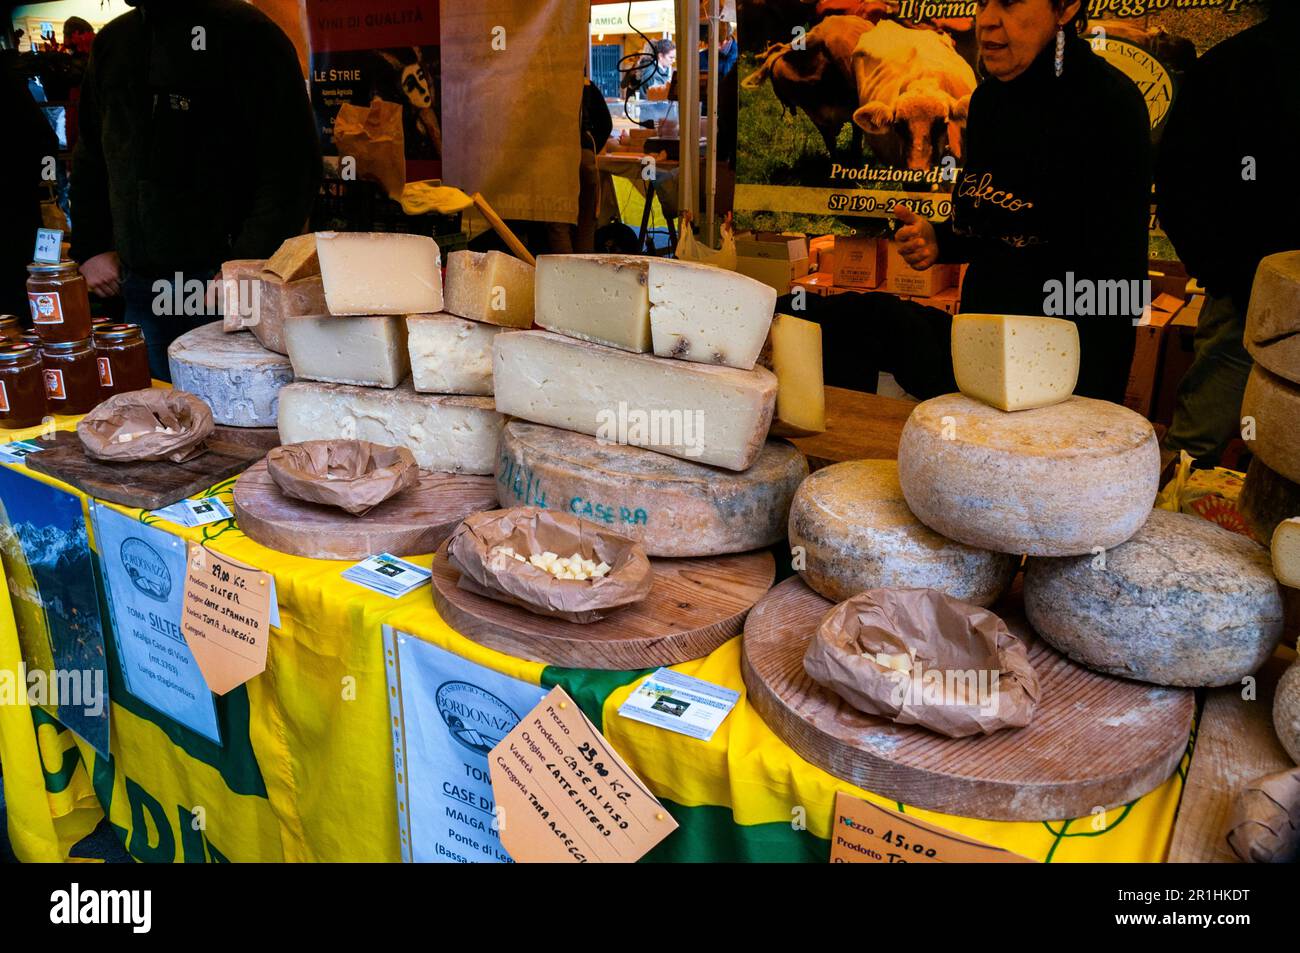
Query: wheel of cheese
[[1274, 406], [1273, 318], [237, 377], [1184, 602], [1266, 499], [1055, 481], [1286, 711], [856, 533], [671, 506]]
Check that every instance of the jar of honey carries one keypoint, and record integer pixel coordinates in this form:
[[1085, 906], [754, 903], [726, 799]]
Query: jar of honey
[[22, 386], [11, 329], [59, 300], [71, 376], [123, 358], [29, 337]]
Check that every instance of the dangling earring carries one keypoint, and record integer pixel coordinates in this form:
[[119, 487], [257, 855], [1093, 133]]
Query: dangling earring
[[1060, 51]]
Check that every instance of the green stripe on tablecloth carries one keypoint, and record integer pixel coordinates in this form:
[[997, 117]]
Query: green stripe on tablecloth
[[590, 687], [711, 835]]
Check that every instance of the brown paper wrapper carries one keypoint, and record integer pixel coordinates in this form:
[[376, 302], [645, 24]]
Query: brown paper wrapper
[[373, 135], [529, 530], [146, 416], [1264, 826], [353, 475], [970, 674]]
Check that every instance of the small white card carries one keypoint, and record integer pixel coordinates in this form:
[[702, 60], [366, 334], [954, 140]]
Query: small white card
[[17, 451], [198, 512], [388, 575], [680, 703], [49, 245]]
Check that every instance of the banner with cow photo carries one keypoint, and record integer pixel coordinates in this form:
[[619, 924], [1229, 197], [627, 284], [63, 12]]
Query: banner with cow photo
[[848, 107]]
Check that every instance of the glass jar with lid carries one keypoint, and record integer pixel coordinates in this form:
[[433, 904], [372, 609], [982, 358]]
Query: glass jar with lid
[[59, 300], [123, 358], [71, 376], [11, 329], [22, 386]]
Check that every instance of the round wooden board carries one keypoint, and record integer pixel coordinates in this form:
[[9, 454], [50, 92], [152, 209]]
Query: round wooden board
[[694, 606], [1095, 741], [410, 524]]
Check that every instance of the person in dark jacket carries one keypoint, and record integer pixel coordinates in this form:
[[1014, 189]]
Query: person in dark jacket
[[198, 146], [31, 141], [1226, 199]]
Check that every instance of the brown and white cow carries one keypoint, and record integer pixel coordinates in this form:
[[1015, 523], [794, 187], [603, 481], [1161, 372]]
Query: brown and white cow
[[913, 95]]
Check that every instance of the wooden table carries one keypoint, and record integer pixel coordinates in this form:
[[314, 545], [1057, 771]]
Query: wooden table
[[859, 426]]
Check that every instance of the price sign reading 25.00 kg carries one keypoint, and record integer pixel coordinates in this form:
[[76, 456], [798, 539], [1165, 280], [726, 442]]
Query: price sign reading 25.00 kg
[[225, 618], [863, 833]]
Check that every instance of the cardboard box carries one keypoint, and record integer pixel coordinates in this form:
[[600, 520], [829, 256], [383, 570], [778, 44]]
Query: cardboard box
[[902, 279], [1144, 373], [818, 283], [772, 246], [858, 263], [777, 273], [819, 246]]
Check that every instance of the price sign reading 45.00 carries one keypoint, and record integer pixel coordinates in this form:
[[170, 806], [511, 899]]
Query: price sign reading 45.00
[[863, 833]]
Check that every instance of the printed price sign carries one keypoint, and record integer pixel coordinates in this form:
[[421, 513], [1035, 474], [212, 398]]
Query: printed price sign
[[224, 618], [564, 796], [49, 245], [864, 833]]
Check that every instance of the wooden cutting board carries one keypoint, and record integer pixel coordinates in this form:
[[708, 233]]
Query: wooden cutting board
[[694, 606], [261, 440], [1095, 741], [148, 485], [412, 523]]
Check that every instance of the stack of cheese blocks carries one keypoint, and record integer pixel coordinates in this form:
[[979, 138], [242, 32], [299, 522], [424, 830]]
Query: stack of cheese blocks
[[1015, 466]]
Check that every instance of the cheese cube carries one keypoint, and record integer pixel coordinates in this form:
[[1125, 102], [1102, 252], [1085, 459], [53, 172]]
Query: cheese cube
[[294, 259], [444, 433], [1013, 362], [1286, 552], [708, 315], [490, 286], [367, 350], [239, 292], [380, 273], [794, 353], [714, 415], [450, 355], [599, 298], [277, 301]]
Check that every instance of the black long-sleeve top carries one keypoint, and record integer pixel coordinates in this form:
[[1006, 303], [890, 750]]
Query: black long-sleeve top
[[1056, 181], [196, 147]]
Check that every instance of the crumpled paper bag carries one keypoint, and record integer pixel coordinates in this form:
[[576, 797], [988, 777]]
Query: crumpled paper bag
[[1264, 826], [353, 475], [149, 424], [373, 136]]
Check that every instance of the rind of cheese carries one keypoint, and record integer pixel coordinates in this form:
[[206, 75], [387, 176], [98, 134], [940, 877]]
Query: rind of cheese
[[1015, 362], [856, 533], [714, 415], [1055, 481], [603, 299], [1273, 316], [277, 301], [380, 272], [233, 374], [1286, 552], [369, 350], [1266, 499], [492, 287], [450, 355], [1273, 404], [445, 433], [295, 258], [1286, 711], [1185, 602], [672, 507], [793, 353], [240, 289], [707, 315]]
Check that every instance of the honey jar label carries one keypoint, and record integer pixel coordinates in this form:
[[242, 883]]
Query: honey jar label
[[54, 384], [105, 372], [46, 307], [4, 399]]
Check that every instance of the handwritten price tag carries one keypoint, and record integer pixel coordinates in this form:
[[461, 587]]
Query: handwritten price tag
[[225, 618], [866, 834], [49, 245]]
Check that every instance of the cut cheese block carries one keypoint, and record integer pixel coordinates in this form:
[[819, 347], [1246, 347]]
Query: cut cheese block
[[851, 530], [1013, 362], [1266, 500], [369, 350], [794, 354], [599, 298], [277, 301], [1286, 711], [450, 355], [233, 374], [490, 286], [1286, 552], [240, 290], [1273, 405], [380, 273], [714, 415], [1184, 602], [445, 433], [672, 507], [294, 259], [1055, 481], [708, 315], [1273, 317]]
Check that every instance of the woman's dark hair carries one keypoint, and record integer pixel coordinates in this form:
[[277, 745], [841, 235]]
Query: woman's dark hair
[[664, 47], [1080, 22]]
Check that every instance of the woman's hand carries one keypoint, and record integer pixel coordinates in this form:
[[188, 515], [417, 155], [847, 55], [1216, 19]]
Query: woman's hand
[[103, 273], [917, 242]]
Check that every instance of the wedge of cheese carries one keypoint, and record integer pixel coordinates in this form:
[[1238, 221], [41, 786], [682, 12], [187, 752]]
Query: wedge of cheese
[[708, 315], [450, 355], [492, 287], [1273, 317], [240, 290], [369, 350], [380, 273], [1015, 362], [599, 298], [1286, 552], [794, 354], [294, 259], [277, 301], [714, 415], [444, 433]]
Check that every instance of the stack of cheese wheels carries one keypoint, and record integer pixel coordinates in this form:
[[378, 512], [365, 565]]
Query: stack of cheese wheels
[[643, 405]]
